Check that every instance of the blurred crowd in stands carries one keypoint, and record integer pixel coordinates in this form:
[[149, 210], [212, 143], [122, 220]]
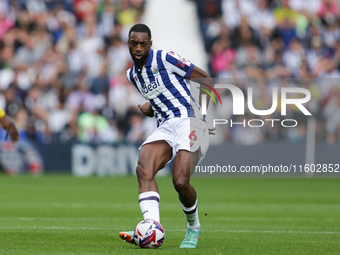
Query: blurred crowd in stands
[[294, 43], [63, 65]]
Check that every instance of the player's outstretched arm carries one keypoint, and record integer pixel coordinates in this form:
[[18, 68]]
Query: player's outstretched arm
[[146, 109], [199, 73], [204, 78], [9, 126]]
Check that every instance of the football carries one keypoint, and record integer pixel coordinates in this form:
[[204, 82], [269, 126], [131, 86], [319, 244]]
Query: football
[[149, 234]]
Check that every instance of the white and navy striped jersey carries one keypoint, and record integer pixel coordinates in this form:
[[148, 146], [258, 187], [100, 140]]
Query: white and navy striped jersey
[[164, 82]]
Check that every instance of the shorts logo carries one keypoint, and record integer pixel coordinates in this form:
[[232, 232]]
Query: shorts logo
[[192, 137]]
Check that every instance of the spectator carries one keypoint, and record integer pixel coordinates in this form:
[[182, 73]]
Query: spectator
[[224, 55], [328, 11], [94, 128], [293, 56], [263, 16]]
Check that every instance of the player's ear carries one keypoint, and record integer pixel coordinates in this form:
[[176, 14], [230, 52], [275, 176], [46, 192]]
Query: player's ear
[[150, 43]]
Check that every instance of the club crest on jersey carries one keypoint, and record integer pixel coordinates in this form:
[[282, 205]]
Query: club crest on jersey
[[136, 79], [154, 70]]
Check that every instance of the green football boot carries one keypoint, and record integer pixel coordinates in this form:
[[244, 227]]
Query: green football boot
[[190, 239]]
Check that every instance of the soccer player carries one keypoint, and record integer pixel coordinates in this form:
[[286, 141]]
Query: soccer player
[[162, 78], [9, 126]]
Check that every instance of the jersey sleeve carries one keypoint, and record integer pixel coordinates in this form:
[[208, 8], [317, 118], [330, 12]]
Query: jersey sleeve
[[178, 65], [130, 77]]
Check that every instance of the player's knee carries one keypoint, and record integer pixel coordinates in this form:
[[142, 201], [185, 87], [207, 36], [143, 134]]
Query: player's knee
[[144, 173], [181, 185]]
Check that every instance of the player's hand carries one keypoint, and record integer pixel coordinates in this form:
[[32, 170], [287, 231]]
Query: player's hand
[[211, 131], [146, 109], [9, 126]]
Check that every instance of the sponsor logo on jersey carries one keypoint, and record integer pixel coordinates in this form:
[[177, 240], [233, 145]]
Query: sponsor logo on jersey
[[181, 63], [150, 91]]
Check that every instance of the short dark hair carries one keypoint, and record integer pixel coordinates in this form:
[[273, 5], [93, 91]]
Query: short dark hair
[[141, 28]]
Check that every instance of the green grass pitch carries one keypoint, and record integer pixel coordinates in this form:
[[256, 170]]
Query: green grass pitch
[[68, 215]]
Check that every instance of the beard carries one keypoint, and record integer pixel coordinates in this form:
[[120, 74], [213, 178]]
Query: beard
[[142, 60]]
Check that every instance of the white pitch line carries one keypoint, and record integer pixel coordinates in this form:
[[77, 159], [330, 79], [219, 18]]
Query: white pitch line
[[271, 219], [73, 205], [207, 230], [164, 204], [169, 218], [64, 219], [277, 231], [58, 228]]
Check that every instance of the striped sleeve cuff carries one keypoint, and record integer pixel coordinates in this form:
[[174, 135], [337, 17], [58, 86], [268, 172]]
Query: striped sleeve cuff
[[191, 68]]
